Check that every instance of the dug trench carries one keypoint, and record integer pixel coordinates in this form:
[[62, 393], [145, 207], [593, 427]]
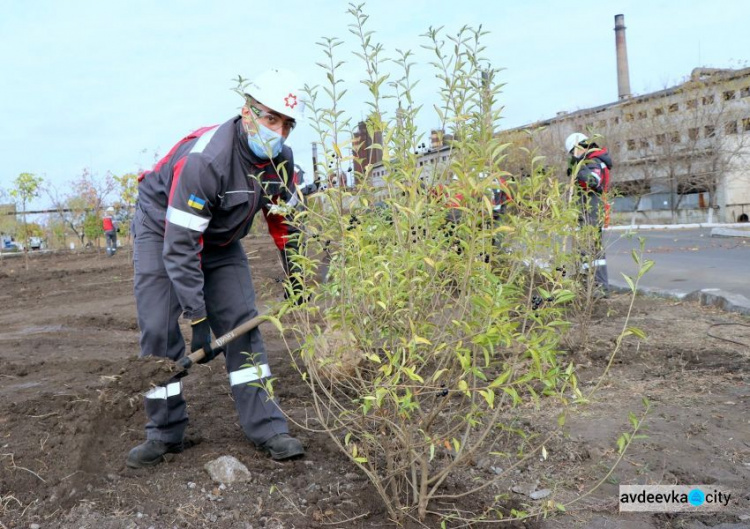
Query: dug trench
[[70, 409]]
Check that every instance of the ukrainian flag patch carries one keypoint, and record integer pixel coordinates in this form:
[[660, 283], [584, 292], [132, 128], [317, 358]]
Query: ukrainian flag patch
[[196, 203]]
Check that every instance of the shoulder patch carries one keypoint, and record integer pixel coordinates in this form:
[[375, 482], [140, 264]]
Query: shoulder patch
[[196, 203]]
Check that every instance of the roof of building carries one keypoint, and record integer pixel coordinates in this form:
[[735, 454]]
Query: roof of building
[[704, 76]]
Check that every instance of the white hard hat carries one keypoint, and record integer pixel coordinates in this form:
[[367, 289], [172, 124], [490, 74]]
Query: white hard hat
[[279, 90], [110, 209], [573, 140]]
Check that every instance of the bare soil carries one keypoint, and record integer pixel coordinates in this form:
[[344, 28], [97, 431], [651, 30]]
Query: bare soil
[[70, 409]]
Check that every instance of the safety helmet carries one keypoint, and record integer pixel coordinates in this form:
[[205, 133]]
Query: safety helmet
[[279, 90], [574, 139], [110, 209]]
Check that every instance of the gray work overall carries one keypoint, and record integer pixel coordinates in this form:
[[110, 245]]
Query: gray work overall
[[230, 301], [592, 251]]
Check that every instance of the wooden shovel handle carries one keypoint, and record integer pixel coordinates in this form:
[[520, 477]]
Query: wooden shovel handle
[[187, 361]]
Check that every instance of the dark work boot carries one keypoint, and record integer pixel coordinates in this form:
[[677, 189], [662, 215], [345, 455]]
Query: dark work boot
[[152, 453], [283, 446], [599, 293]]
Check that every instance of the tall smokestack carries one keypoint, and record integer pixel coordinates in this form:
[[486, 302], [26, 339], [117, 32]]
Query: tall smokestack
[[623, 77]]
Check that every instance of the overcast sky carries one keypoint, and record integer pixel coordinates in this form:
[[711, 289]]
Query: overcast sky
[[107, 85]]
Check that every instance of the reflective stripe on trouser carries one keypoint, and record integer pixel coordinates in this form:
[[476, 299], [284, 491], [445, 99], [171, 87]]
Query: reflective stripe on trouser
[[158, 319], [230, 301], [600, 271]]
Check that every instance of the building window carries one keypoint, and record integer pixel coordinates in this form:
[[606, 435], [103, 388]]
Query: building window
[[745, 92], [709, 131], [661, 139], [615, 121], [644, 144], [674, 107], [729, 95], [693, 133], [658, 111], [642, 114], [730, 127], [674, 137], [708, 100], [602, 123], [631, 188], [746, 124], [692, 103], [629, 117], [631, 145], [689, 187]]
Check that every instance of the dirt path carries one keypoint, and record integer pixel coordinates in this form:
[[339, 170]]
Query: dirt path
[[67, 328]]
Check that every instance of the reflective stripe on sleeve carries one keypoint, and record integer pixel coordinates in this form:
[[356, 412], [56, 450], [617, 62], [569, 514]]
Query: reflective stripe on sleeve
[[203, 140], [186, 220], [163, 392], [294, 200], [249, 374], [598, 262]]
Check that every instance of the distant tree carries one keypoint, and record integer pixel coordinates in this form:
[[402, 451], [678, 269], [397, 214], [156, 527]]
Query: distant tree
[[89, 194], [92, 226], [26, 188], [127, 189], [57, 232]]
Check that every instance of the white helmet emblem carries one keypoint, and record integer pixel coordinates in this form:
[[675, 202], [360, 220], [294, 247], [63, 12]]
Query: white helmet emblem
[[290, 101]]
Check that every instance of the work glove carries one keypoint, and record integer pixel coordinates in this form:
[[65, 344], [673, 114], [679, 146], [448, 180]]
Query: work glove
[[589, 180], [202, 340]]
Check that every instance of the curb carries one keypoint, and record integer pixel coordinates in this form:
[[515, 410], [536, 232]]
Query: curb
[[707, 297], [715, 225], [727, 232]]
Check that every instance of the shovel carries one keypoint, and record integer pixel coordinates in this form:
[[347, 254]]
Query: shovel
[[186, 362]]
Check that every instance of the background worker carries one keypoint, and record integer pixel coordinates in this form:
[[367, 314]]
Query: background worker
[[193, 209], [591, 164], [109, 225]]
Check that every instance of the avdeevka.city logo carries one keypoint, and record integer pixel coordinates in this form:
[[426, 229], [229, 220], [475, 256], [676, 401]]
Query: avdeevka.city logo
[[674, 498]]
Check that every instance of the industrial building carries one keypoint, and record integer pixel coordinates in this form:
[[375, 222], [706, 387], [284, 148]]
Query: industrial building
[[682, 154]]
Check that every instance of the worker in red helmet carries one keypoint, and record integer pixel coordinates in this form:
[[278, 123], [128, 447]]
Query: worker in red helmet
[[193, 208], [591, 165], [109, 225]]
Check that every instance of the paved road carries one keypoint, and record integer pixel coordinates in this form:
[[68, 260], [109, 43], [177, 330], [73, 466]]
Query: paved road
[[685, 260]]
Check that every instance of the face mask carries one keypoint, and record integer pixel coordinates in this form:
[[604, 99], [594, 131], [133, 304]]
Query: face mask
[[265, 141]]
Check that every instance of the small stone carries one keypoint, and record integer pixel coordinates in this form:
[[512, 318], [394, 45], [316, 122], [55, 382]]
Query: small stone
[[191, 485], [35, 526], [227, 469], [539, 494]]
